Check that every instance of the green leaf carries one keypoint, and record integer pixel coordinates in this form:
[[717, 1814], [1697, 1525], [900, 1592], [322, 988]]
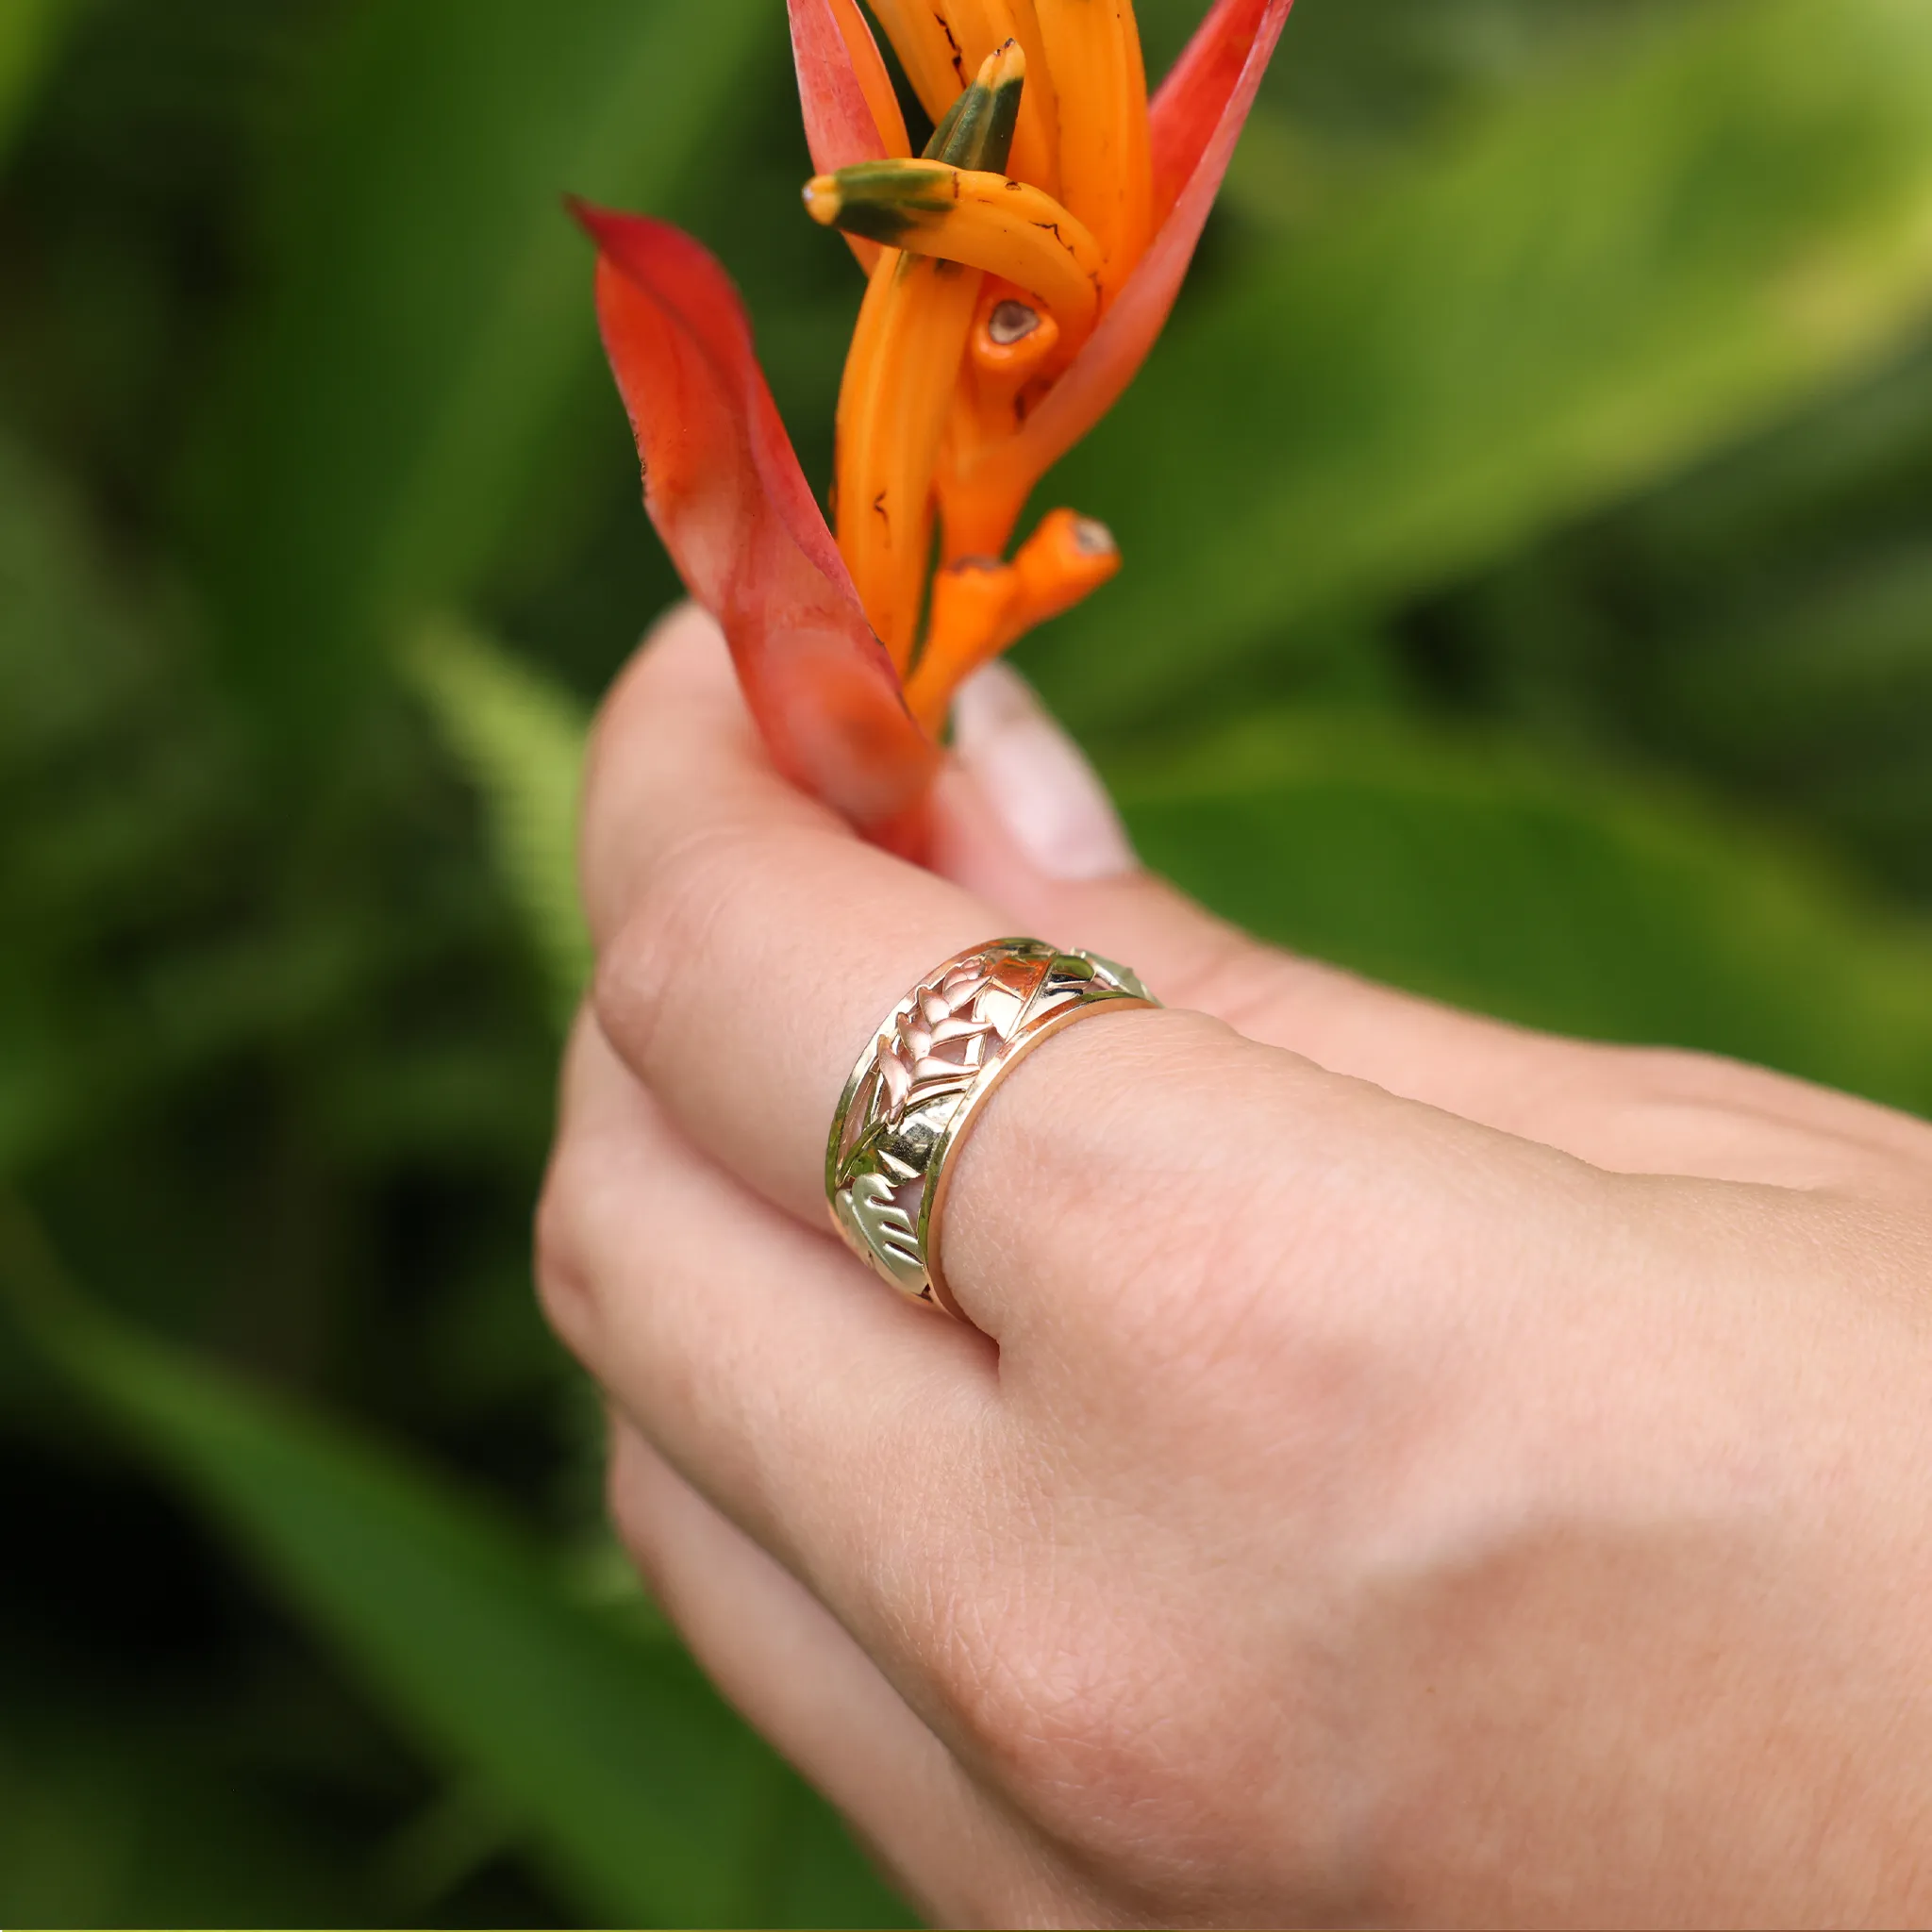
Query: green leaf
[[430, 316], [1848, 659], [1560, 901], [520, 738], [1597, 284], [29, 32], [103, 791], [108, 1817], [640, 1793]]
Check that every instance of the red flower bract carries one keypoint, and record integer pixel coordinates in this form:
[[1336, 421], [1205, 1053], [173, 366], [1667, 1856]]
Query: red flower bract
[[725, 489]]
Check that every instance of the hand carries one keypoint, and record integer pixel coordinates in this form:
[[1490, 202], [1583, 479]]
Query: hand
[[1406, 1470]]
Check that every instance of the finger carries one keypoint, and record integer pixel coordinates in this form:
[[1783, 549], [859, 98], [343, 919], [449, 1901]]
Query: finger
[[797, 1676], [1021, 823], [1025, 823], [819, 1411], [749, 944], [698, 859]]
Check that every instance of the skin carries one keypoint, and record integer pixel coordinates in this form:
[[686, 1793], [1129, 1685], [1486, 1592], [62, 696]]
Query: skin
[[1407, 1471]]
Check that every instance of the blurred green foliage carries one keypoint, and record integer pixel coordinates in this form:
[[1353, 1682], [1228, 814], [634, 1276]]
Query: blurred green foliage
[[1530, 600]]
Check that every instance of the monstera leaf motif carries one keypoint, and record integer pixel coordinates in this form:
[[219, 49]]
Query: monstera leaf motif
[[867, 1211]]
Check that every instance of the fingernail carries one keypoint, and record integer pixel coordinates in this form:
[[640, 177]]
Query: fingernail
[[1034, 778]]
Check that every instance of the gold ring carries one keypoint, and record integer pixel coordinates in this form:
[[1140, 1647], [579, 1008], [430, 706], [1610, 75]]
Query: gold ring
[[922, 1080]]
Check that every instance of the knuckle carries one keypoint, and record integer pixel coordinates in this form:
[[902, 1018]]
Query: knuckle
[[1045, 1692], [673, 916], [1114, 1731], [1022, 1698], [1070, 1714], [582, 1251], [566, 1283], [1179, 1115], [1116, 1103]]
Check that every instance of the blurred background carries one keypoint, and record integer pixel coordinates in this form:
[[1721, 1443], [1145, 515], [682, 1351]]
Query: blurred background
[[1528, 524]]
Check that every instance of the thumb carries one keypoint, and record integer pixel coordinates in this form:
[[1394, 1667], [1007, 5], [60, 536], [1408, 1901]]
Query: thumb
[[1020, 803], [1023, 822]]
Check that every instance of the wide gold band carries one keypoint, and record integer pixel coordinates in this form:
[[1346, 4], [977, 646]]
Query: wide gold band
[[922, 1079]]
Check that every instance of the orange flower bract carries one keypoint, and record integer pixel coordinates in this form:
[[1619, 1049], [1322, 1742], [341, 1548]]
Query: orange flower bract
[[1019, 272]]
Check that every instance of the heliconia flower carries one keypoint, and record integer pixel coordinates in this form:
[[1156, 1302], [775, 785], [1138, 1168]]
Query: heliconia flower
[[1019, 272]]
